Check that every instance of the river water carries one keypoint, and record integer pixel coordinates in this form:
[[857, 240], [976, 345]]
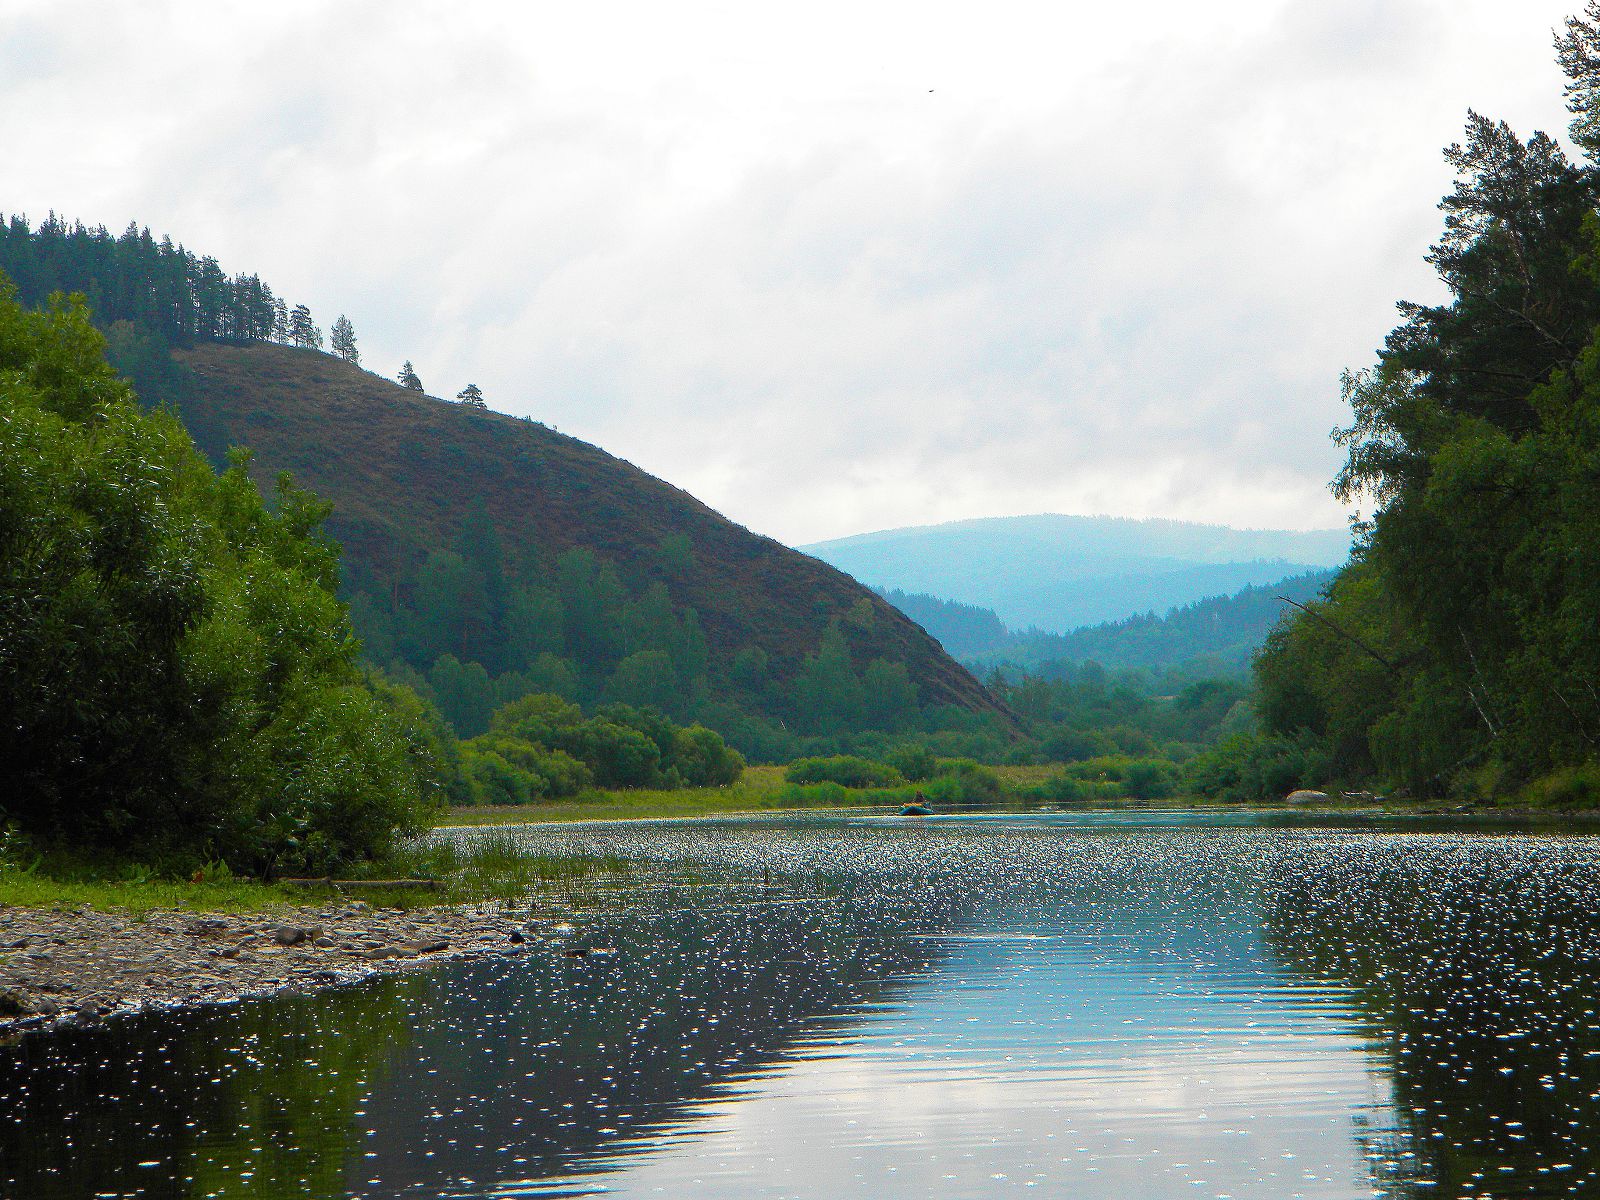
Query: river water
[[1090, 1006]]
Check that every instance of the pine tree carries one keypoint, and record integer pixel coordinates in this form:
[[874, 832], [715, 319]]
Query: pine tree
[[471, 396], [343, 340], [408, 377], [303, 331]]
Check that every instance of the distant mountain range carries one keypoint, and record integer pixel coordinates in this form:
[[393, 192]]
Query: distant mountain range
[[1058, 573], [1215, 636]]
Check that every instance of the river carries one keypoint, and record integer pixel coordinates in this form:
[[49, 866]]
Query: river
[[1127, 1006]]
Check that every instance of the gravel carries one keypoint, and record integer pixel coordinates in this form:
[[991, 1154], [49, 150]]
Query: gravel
[[66, 967]]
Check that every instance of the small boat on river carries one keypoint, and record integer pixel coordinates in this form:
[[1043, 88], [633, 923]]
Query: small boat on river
[[917, 808]]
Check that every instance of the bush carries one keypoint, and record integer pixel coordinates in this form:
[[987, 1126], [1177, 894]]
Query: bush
[[1574, 787], [496, 780], [549, 773], [962, 781], [1075, 745], [1150, 779], [703, 759], [1257, 767], [620, 757], [847, 770], [338, 784], [177, 677], [813, 795], [914, 762], [431, 744], [621, 746], [536, 717]]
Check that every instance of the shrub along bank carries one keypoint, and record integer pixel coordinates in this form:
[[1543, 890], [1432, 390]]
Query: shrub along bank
[[177, 677]]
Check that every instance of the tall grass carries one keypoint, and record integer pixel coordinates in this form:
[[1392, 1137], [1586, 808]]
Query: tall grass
[[464, 869], [491, 864]]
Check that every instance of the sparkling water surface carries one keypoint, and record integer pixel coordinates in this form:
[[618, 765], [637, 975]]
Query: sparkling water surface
[[1128, 1006]]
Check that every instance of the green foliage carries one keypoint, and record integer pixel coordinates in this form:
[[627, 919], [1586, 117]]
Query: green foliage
[[889, 698], [750, 667], [619, 756], [1259, 768], [1217, 635], [702, 759], [159, 291], [499, 543], [828, 696], [430, 742], [1062, 788], [962, 781], [464, 692], [452, 604], [176, 675], [645, 678], [542, 747], [533, 626], [508, 770], [342, 340], [536, 718], [1460, 647], [845, 770], [914, 762], [826, 794], [1568, 788]]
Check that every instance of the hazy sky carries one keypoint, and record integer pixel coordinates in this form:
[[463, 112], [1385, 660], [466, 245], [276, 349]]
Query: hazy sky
[[831, 267]]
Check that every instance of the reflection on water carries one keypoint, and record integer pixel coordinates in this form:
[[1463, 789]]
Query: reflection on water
[[1160, 1006]]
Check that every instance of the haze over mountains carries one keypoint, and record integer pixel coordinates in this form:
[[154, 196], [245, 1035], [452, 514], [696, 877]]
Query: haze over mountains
[[1058, 573]]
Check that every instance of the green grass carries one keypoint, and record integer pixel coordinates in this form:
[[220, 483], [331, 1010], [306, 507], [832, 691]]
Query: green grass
[[139, 895], [762, 789], [484, 867]]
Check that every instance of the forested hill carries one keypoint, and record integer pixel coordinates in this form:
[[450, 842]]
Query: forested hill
[[486, 557], [487, 539], [1217, 635], [1058, 573]]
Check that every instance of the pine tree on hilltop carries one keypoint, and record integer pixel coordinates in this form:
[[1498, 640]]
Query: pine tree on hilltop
[[303, 331], [343, 340], [408, 377], [471, 396]]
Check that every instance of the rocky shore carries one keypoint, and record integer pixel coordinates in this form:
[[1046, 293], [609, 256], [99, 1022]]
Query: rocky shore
[[61, 968]]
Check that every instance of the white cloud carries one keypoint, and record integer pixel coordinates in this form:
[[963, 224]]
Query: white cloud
[[832, 267]]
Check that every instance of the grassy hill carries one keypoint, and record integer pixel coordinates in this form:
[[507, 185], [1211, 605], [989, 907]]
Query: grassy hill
[[1058, 573], [408, 473]]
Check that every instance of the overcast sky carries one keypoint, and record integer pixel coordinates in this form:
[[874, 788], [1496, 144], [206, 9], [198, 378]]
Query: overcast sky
[[831, 267]]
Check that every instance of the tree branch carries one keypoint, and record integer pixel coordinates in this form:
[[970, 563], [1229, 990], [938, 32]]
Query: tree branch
[[1349, 637]]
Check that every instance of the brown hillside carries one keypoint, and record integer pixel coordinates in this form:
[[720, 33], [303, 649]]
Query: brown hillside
[[402, 469]]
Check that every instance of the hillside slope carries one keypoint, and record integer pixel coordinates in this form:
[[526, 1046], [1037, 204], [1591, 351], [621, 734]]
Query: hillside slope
[[405, 471], [1220, 634], [1058, 573]]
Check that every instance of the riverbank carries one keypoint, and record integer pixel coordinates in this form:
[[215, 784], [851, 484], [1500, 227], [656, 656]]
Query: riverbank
[[75, 967], [760, 789]]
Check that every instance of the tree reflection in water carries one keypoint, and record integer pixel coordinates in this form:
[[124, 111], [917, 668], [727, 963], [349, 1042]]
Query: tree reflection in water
[[1098, 1006], [1474, 960], [507, 1069]]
